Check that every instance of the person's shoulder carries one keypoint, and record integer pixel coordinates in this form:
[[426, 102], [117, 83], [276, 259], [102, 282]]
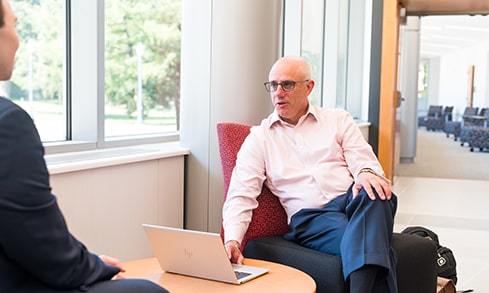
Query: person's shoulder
[[12, 113], [264, 124], [7, 105], [331, 112]]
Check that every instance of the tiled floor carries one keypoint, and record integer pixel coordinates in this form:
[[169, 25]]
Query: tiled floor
[[458, 211]]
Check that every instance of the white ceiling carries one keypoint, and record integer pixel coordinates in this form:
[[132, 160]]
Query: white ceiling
[[441, 34]]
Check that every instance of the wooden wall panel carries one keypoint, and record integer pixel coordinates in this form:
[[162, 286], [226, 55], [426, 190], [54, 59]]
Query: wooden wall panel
[[388, 87]]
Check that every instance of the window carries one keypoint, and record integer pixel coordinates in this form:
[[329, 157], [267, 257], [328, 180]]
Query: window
[[142, 66], [94, 78], [423, 68], [312, 43], [38, 82]]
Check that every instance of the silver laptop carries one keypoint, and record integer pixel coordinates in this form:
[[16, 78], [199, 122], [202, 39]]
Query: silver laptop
[[196, 254]]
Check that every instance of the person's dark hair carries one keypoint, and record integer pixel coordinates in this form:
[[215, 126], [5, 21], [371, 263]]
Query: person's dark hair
[[1, 14]]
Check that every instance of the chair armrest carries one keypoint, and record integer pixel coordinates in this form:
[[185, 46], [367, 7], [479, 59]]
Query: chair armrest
[[325, 269], [416, 262]]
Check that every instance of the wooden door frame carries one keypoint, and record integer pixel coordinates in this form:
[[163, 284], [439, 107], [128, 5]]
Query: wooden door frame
[[388, 86], [470, 86]]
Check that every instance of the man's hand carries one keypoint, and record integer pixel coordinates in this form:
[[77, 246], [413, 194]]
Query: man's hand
[[233, 251], [114, 262], [371, 182]]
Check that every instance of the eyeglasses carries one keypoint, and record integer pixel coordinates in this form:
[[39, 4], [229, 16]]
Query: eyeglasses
[[287, 85]]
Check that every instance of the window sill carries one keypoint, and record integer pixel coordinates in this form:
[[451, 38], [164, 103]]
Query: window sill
[[83, 160]]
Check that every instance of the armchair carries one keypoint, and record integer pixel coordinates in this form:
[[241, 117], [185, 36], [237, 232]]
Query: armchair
[[478, 135], [454, 127], [434, 112], [469, 121], [416, 267], [438, 121]]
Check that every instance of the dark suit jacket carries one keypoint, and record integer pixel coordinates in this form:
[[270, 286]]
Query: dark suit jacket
[[36, 250]]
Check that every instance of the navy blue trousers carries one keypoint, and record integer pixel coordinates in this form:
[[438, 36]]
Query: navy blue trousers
[[357, 229]]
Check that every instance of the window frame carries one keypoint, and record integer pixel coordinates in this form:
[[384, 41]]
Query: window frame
[[85, 84]]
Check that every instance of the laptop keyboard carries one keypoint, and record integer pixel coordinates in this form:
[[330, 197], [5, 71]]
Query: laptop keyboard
[[240, 275]]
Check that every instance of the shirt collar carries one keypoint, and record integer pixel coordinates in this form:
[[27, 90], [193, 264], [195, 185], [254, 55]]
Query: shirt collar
[[274, 118]]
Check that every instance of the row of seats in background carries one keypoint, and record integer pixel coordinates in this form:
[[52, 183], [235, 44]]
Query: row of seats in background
[[473, 127]]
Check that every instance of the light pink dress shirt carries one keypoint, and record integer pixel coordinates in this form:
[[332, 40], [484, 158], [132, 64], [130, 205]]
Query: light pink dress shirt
[[306, 165]]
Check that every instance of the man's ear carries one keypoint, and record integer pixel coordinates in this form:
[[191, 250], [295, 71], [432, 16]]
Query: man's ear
[[310, 85]]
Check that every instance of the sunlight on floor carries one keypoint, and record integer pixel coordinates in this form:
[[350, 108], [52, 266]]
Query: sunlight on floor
[[457, 211]]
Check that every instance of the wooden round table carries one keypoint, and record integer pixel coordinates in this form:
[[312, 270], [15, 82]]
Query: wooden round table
[[280, 278]]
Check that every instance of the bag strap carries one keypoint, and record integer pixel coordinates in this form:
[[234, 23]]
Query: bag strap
[[444, 285]]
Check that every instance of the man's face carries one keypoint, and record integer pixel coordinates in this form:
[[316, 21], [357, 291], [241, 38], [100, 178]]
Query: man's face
[[290, 105], [9, 42]]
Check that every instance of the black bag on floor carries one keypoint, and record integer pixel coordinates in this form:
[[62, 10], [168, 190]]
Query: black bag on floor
[[447, 266]]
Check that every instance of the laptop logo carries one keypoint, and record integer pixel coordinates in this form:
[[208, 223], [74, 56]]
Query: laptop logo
[[188, 253]]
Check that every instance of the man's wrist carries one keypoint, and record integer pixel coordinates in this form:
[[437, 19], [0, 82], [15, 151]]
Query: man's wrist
[[371, 171], [368, 170], [233, 243]]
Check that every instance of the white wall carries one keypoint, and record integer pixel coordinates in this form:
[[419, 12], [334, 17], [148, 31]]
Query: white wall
[[434, 83], [454, 78], [105, 207]]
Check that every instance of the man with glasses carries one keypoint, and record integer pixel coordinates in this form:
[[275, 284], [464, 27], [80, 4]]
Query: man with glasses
[[326, 176]]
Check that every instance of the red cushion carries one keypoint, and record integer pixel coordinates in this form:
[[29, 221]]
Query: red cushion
[[269, 217]]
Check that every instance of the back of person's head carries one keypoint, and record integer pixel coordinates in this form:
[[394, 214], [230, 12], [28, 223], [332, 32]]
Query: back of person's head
[[2, 22], [9, 40]]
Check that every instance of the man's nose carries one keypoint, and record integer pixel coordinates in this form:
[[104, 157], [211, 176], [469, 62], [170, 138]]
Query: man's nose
[[279, 88]]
